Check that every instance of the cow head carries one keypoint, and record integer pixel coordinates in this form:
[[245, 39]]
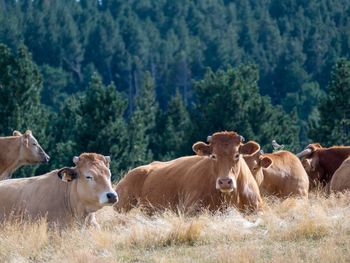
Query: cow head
[[256, 162], [31, 151], [226, 148], [310, 161], [93, 180]]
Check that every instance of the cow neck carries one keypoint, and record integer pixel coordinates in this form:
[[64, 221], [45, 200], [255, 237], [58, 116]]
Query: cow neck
[[243, 172], [72, 202], [9, 161], [259, 177]]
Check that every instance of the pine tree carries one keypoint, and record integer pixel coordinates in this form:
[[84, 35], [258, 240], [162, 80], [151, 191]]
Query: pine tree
[[142, 124], [334, 124], [230, 100], [175, 137]]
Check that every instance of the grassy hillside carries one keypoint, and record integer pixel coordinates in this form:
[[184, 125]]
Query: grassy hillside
[[293, 230]]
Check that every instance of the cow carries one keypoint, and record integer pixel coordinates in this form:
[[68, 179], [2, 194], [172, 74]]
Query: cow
[[17, 150], [63, 196], [280, 173], [321, 163], [340, 181], [192, 183]]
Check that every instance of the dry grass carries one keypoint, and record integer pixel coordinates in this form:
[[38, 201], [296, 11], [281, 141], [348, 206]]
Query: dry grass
[[291, 230]]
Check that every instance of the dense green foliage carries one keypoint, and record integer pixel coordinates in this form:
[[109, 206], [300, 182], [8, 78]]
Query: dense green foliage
[[143, 80], [334, 123]]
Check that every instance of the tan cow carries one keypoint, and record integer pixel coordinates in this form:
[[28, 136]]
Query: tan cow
[[341, 178], [64, 196], [194, 182], [280, 173], [17, 150]]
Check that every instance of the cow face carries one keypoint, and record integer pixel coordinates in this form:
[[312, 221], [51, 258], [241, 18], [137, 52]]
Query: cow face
[[312, 169], [31, 151], [93, 179], [226, 148], [256, 163], [310, 161]]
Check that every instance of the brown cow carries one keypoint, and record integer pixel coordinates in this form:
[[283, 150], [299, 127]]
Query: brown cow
[[64, 196], [341, 178], [191, 182], [321, 163], [280, 173], [17, 150]]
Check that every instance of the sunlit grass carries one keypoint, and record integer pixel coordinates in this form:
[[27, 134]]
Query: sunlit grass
[[291, 230]]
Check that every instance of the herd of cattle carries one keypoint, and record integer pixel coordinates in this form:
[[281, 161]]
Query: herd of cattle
[[225, 172]]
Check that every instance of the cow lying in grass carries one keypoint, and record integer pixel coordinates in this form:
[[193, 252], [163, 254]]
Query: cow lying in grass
[[64, 196], [321, 163], [280, 173], [194, 182]]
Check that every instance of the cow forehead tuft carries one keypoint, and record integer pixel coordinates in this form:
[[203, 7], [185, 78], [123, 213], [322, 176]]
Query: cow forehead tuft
[[225, 135], [92, 157]]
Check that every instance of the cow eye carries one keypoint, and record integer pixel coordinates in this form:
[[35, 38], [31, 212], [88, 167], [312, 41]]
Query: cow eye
[[88, 177], [34, 144], [236, 156]]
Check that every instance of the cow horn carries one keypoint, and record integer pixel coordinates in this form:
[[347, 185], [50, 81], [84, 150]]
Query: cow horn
[[108, 158], [209, 138], [261, 151], [75, 159], [242, 138], [304, 153]]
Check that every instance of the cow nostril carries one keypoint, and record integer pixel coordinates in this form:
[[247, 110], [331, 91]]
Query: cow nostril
[[220, 182], [111, 195], [229, 181]]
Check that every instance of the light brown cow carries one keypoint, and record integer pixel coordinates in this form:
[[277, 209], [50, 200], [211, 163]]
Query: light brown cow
[[17, 150], [341, 178], [64, 196], [321, 163], [193, 182], [280, 173]]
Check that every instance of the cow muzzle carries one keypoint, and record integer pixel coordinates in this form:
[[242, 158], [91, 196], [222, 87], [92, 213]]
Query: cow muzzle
[[108, 198], [226, 184], [112, 198], [45, 159]]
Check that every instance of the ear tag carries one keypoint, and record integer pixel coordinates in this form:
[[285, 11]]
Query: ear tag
[[64, 177]]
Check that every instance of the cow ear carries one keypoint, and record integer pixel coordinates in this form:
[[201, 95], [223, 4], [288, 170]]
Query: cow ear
[[67, 174], [75, 159], [107, 160], [201, 149], [250, 148], [16, 133], [265, 162]]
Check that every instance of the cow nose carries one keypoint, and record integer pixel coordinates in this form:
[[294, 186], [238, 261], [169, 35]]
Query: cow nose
[[226, 181], [46, 158], [112, 197]]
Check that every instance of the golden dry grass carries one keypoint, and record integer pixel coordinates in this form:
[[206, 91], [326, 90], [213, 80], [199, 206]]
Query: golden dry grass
[[291, 230]]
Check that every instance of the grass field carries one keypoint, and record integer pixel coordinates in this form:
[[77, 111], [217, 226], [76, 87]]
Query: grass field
[[292, 230]]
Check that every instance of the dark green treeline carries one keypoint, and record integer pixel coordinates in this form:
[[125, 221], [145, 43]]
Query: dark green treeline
[[143, 80]]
